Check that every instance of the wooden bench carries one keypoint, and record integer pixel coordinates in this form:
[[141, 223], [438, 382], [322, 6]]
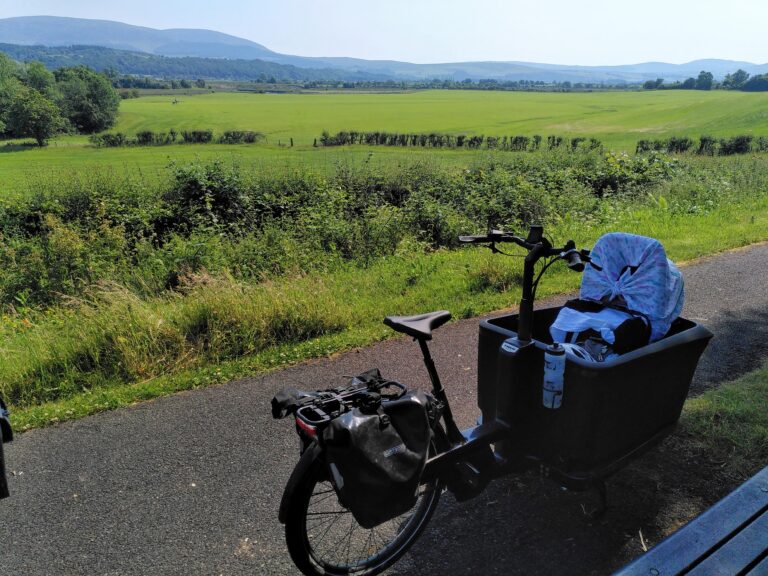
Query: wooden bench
[[729, 539]]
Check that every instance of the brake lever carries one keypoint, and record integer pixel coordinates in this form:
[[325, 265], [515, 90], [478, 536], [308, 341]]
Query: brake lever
[[586, 258], [573, 259]]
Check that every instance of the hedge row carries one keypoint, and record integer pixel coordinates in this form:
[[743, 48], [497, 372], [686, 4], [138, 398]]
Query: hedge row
[[150, 138], [706, 146], [436, 140]]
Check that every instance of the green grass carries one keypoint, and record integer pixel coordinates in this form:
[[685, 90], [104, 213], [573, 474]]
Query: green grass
[[619, 119], [110, 347], [346, 310], [731, 423], [23, 169]]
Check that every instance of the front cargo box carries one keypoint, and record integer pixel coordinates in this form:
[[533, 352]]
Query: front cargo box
[[609, 410]]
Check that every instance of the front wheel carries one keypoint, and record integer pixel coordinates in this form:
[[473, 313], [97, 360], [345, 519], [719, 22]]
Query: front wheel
[[324, 539]]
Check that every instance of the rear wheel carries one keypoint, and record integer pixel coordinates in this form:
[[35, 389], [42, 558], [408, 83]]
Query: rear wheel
[[325, 540]]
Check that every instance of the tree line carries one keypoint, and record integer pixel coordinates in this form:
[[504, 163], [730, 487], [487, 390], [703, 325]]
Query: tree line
[[468, 84], [37, 103], [142, 64], [739, 80], [438, 140], [706, 145]]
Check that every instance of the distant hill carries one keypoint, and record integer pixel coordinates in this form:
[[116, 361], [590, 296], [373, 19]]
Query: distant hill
[[143, 64], [57, 31]]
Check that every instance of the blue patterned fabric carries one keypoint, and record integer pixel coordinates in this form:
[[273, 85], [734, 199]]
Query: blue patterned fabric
[[636, 273]]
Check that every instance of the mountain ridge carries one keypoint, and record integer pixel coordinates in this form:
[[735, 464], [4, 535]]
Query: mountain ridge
[[202, 43]]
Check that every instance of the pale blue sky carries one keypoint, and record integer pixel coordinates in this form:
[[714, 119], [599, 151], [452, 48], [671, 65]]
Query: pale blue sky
[[557, 31]]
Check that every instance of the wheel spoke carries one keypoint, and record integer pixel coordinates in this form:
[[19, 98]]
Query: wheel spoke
[[332, 543]]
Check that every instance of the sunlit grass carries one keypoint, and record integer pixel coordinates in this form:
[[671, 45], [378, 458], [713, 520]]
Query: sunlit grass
[[79, 361]]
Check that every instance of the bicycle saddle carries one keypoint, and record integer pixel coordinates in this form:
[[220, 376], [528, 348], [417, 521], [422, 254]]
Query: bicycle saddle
[[419, 326]]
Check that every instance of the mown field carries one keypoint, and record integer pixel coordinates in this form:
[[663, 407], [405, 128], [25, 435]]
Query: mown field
[[619, 119]]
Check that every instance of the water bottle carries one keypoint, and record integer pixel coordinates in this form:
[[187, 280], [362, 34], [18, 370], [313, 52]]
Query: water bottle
[[554, 369]]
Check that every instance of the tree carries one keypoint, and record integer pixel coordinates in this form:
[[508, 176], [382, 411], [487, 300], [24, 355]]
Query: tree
[[705, 81], [87, 99], [757, 83], [689, 84], [37, 76], [9, 87], [200, 83], [32, 114], [736, 80]]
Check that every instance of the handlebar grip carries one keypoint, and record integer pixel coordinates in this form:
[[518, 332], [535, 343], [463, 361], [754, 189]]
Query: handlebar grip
[[494, 236], [474, 239], [573, 260]]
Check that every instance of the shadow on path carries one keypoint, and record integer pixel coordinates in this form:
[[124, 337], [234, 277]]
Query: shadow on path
[[740, 345]]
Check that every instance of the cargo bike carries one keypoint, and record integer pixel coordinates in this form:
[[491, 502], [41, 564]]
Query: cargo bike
[[375, 456]]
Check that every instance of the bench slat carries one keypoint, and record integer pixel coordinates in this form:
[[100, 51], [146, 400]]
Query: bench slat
[[737, 553], [681, 550], [759, 570]]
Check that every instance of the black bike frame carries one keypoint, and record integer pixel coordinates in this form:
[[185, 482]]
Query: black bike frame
[[473, 440]]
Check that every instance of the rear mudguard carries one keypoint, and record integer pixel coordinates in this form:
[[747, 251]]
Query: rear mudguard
[[306, 461]]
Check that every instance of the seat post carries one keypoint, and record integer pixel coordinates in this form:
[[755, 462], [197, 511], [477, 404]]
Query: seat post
[[454, 434]]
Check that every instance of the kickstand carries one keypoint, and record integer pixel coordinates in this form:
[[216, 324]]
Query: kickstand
[[602, 507]]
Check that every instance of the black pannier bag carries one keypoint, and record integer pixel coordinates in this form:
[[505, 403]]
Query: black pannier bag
[[376, 456], [288, 400]]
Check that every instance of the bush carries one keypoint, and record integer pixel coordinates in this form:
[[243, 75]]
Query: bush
[[82, 230], [736, 145], [197, 136], [707, 146], [205, 195], [109, 140], [678, 145], [240, 137]]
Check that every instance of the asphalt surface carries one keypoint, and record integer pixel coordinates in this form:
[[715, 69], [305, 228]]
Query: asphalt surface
[[190, 484]]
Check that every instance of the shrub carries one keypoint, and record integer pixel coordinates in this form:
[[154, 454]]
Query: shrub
[[197, 136], [736, 145], [679, 145], [109, 140], [145, 138], [240, 137], [204, 195], [707, 146]]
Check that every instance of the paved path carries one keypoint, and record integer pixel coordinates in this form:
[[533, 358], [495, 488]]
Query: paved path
[[190, 484]]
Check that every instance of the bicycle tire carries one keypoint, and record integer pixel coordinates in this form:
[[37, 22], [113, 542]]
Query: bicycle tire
[[303, 541]]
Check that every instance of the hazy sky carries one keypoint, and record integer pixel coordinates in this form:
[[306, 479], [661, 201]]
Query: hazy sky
[[555, 31]]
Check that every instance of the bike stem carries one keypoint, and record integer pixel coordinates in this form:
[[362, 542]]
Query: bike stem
[[525, 319], [454, 434]]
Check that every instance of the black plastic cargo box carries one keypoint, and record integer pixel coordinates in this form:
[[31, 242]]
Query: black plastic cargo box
[[610, 410]]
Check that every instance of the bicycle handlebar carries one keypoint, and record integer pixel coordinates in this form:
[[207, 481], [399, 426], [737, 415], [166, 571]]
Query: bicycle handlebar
[[498, 236], [575, 259]]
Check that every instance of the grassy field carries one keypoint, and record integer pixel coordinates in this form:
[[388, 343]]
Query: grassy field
[[619, 119]]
